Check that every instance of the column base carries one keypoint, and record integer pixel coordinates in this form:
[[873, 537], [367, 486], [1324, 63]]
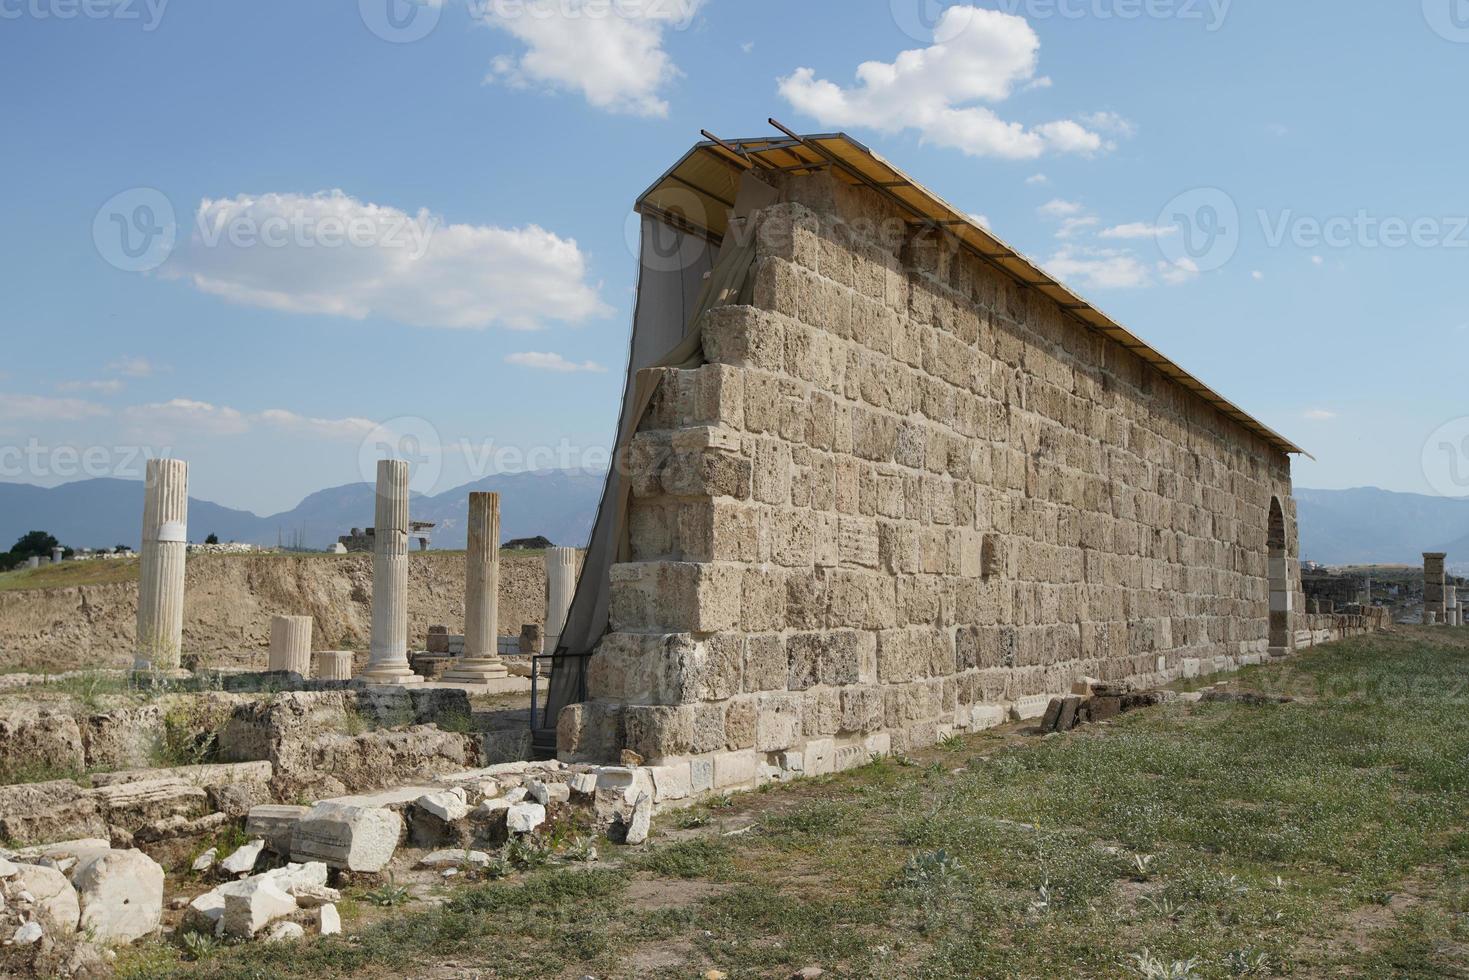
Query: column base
[[479, 670], [401, 676]]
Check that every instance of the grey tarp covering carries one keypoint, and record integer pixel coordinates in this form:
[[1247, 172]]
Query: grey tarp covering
[[680, 276]]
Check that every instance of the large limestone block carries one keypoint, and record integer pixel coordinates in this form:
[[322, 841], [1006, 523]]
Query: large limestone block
[[124, 737], [56, 810], [274, 823], [350, 837], [252, 904], [149, 801], [32, 736], [55, 902], [121, 894]]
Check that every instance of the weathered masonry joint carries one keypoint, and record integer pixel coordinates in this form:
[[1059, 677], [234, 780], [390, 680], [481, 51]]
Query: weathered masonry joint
[[901, 493]]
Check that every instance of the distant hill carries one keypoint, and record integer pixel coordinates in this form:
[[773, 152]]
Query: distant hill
[[1362, 525], [1368, 525], [560, 504]]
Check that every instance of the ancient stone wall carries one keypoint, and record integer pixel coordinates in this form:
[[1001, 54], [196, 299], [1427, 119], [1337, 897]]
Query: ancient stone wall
[[903, 491]]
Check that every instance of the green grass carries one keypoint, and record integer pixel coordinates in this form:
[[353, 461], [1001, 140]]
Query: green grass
[[1324, 837], [69, 574]]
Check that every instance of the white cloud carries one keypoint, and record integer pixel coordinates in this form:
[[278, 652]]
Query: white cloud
[[1139, 229], [1317, 260], [40, 408], [1318, 414], [1099, 268], [1071, 226], [1178, 271], [544, 361], [1110, 122], [134, 367], [980, 219], [185, 413], [347, 428], [747, 47], [1057, 208], [1257, 275], [611, 53], [329, 253], [1037, 179], [978, 56], [110, 386]]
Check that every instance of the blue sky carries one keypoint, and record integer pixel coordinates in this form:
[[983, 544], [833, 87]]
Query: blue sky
[[491, 165]]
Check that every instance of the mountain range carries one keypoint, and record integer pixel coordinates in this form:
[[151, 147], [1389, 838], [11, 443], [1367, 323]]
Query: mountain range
[[101, 513], [1361, 525]]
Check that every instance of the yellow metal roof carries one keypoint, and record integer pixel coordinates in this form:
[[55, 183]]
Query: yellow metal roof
[[698, 191]]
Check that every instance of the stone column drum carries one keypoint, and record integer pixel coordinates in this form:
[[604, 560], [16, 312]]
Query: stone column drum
[[1451, 605], [481, 662], [560, 587], [161, 568], [1433, 586], [290, 644], [334, 665], [388, 653]]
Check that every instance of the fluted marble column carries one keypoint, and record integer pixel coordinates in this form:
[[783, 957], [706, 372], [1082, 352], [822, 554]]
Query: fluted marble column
[[481, 661], [161, 569], [560, 587], [290, 644], [388, 653], [334, 665]]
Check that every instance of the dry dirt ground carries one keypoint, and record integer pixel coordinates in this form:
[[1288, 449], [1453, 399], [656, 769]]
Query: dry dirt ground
[[1323, 837], [82, 614]]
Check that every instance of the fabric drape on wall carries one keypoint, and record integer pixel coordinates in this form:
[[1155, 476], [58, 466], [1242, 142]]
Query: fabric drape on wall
[[680, 277]]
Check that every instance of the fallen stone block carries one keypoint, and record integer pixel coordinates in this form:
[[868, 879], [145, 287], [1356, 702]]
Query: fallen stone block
[[548, 793], [310, 896], [49, 811], [274, 823], [131, 805], [641, 821], [448, 805], [286, 932], [350, 837], [53, 901], [243, 860], [180, 827], [328, 921], [253, 903], [452, 858], [121, 895], [522, 818], [205, 861]]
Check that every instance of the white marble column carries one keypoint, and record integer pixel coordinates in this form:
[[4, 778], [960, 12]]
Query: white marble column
[[481, 661], [161, 569], [560, 587], [334, 665], [388, 653], [290, 644]]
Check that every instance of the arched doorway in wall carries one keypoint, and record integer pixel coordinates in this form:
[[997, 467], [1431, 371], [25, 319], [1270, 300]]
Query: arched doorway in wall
[[1281, 598]]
